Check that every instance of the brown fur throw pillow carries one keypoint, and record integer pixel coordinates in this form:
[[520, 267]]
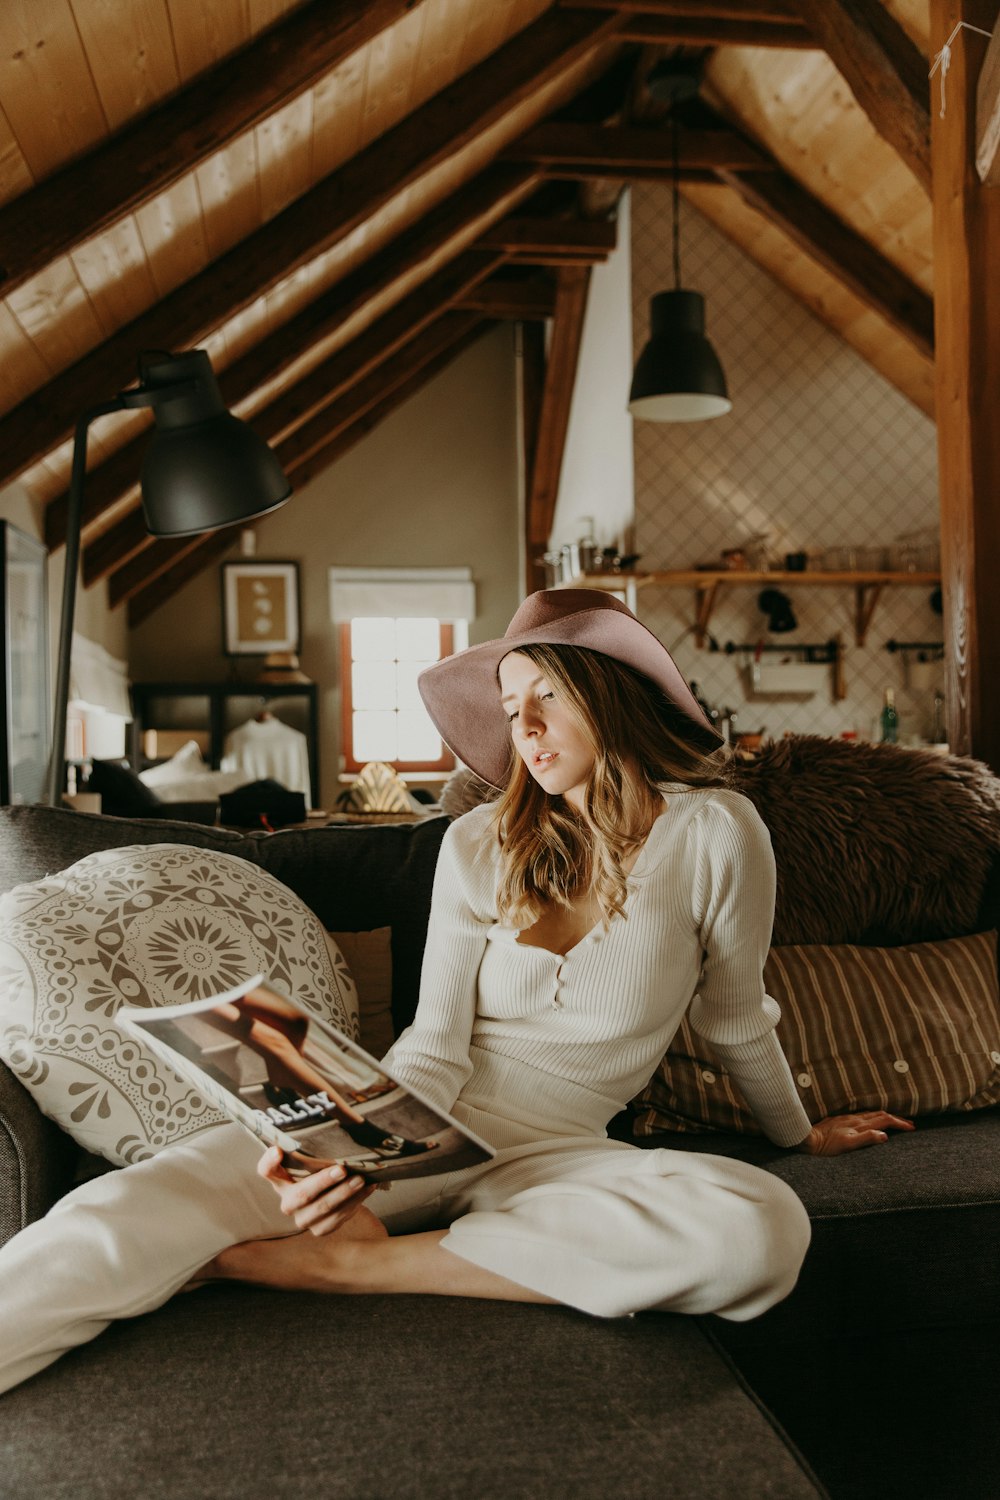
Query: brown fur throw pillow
[[876, 843]]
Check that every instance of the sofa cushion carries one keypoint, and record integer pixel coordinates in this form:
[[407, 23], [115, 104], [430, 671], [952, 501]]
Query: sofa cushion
[[406, 1398], [914, 1030], [147, 925], [368, 956]]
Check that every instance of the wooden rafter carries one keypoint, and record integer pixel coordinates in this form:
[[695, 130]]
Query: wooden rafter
[[523, 299], [560, 378], [704, 31], [771, 11], [841, 250], [162, 583], [966, 254], [317, 220], [884, 70], [590, 239], [172, 139], [494, 190], [707, 23], [617, 150]]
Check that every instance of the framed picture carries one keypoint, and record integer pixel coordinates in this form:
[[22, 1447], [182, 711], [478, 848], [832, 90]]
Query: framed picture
[[260, 607], [25, 697]]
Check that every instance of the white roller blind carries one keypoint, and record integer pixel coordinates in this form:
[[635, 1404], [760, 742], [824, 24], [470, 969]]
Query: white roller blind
[[402, 593]]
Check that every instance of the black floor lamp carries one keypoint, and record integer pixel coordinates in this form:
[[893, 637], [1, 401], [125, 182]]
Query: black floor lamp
[[203, 469]]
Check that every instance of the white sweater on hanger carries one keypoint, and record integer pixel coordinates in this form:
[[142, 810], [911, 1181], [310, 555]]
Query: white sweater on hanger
[[269, 748]]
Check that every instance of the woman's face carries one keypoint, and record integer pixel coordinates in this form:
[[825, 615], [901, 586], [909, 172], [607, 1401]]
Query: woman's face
[[547, 737]]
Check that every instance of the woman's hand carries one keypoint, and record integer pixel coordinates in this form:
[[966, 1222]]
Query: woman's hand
[[322, 1202], [839, 1133]]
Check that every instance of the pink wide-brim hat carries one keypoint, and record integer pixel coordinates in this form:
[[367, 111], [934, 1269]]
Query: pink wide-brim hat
[[462, 694]]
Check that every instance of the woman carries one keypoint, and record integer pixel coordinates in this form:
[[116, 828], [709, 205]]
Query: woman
[[614, 883]]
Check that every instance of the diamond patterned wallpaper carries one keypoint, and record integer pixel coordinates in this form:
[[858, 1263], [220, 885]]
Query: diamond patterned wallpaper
[[818, 453]]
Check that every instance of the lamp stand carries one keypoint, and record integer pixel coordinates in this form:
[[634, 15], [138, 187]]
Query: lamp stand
[[74, 522]]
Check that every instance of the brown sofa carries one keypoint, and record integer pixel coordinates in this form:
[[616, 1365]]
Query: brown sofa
[[878, 1368]]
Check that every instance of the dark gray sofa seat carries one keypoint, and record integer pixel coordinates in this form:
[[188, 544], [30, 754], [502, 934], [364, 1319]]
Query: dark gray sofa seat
[[240, 1394]]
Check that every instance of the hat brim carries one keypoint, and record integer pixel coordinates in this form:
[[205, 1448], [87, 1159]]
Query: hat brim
[[462, 695]]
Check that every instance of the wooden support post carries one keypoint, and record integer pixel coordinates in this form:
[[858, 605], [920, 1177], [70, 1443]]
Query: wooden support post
[[967, 341]]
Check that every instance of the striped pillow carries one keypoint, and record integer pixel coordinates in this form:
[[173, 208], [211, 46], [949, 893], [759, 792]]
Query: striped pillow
[[914, 1030]]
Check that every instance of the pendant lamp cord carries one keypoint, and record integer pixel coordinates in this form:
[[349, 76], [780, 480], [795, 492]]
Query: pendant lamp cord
[[677, 208]]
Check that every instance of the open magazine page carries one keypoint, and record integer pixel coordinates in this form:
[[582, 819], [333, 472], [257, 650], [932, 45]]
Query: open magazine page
[[298, 1083]]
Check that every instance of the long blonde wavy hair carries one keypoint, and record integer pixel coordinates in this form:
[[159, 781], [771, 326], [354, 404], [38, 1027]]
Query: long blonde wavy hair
[[550, 853]]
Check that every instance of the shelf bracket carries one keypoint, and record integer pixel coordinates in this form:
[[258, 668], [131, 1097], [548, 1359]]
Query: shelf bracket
[[866, 597], [704, 604]]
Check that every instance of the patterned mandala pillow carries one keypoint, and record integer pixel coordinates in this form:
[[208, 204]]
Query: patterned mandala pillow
[[151, 924]]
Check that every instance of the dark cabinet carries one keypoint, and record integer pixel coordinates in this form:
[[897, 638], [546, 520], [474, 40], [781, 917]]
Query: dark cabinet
[[209, 712]]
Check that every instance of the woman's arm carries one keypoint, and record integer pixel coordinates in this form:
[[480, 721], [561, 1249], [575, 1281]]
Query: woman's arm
[[734, 904], [733, 900], [432, 1054]]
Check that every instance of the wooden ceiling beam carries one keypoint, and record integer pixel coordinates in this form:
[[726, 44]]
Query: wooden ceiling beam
[[557, 396], [525, 299], [377, 346], [526, 236], [716, 10], [167, 581], [148, 155], [884, 70], [321, 388], [366, 393], [163, 583], [317, 220], [495, 190], [843, 252], [302, 471], [696, 30], [966, 255], [618, 149]]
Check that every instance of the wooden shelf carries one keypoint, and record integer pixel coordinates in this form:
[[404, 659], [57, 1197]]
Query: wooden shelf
[[868, 588]]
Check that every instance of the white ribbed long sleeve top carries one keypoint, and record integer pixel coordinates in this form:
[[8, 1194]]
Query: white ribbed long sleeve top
[[695, 932]]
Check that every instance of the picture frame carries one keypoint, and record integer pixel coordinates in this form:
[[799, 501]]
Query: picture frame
[[260, 607], [25, 687]]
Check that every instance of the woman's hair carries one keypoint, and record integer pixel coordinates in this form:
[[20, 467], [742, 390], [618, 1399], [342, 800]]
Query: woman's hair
[[549, 852]]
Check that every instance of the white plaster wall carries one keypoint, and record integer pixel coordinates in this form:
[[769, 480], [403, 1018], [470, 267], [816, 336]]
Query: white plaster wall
[[596, 477]]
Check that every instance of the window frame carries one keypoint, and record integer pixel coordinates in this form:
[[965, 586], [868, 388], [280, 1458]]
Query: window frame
[[446, 762]]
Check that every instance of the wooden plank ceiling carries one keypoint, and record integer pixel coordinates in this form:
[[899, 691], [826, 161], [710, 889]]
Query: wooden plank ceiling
[[334, 197]]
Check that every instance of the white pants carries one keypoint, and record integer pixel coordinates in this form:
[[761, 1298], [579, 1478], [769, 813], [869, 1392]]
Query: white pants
[[596, 1224]]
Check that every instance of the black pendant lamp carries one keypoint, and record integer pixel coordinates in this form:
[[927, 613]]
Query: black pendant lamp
[[678, 377]]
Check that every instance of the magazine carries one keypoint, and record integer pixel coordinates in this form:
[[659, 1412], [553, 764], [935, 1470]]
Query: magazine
[[297, 1082]]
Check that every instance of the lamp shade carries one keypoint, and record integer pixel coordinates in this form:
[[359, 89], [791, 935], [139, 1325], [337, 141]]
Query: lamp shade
[[204, 468], [678, 377]]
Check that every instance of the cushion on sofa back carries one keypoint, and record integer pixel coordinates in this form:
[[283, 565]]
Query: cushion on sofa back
[[354, 877], [148, 925], [876, 844]]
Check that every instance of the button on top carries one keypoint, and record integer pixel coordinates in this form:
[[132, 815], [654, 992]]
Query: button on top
[[708, 1075], [901, 1066], [805, 1081]]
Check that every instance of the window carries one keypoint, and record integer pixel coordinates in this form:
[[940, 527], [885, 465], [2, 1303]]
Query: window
[[383, 714]]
